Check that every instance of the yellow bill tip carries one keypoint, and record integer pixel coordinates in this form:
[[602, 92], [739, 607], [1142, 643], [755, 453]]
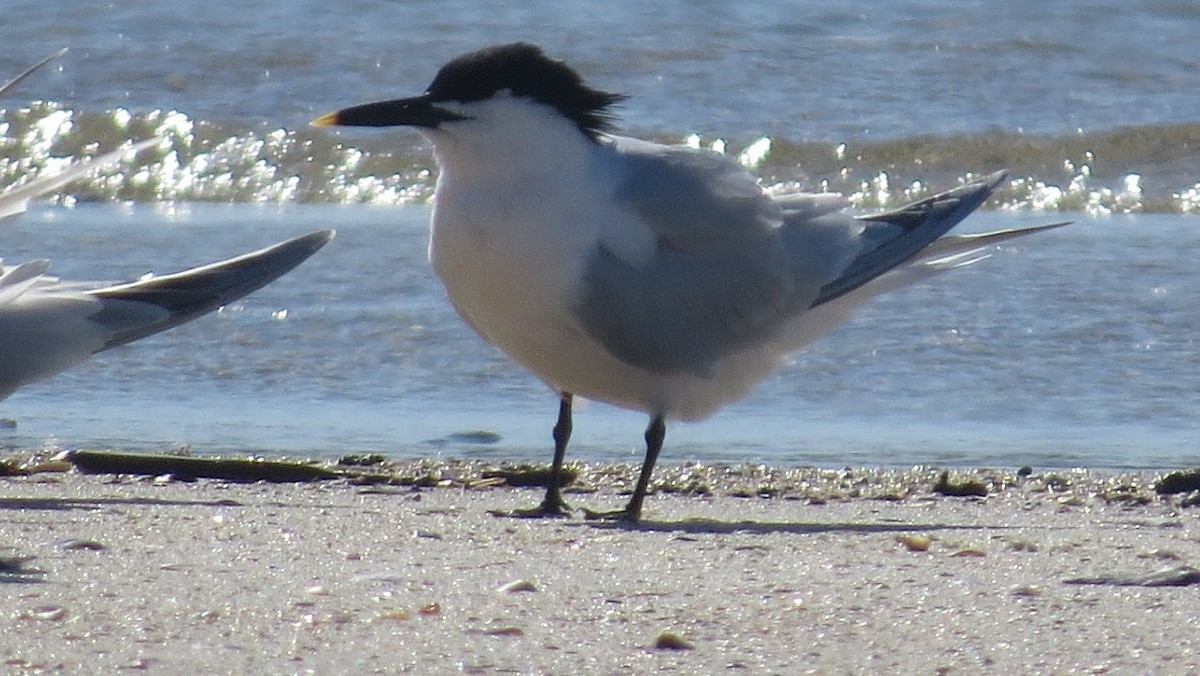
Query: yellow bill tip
[[330, 120]]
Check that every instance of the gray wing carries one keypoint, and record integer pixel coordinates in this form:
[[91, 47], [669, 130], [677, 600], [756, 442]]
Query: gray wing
[[718, 276], [732, 265], [139, 309]]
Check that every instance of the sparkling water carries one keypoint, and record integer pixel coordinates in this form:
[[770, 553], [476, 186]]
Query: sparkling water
[[1078, 347]]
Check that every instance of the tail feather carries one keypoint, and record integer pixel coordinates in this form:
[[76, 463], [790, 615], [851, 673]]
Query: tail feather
[[16, 280], [953, 245], [16, 200]]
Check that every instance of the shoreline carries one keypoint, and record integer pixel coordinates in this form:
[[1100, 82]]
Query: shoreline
[[808, 484], [829, 571]]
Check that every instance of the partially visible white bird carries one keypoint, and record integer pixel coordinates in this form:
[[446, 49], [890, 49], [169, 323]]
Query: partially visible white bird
[[48, 325], [652, 277], [15, 201]]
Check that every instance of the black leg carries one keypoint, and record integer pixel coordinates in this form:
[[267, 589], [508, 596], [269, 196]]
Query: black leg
[[553, 504], [632, 513], [655, 434]]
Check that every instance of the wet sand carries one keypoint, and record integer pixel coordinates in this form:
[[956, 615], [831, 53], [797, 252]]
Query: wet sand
[[741, 570]]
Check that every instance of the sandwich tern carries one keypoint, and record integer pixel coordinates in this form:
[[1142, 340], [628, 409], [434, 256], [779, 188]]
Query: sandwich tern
[[652, 277]]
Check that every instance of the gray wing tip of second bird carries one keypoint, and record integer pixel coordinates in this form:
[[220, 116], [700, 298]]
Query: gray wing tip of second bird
[[5, 87], [192, 293], [303, 247]]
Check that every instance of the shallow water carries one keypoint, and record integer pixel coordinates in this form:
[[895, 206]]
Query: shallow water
[[1078, 347]]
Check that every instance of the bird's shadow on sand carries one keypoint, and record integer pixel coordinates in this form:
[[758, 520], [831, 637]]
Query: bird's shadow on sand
[[719, 527]]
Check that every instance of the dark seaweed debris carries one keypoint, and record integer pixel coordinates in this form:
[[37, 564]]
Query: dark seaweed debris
[[964, 489], [14, 569], [95, 462], [367, 460], [1179, 482], [1178, 576]]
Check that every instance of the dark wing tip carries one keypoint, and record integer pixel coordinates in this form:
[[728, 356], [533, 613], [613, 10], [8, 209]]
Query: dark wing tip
[[191, 293]]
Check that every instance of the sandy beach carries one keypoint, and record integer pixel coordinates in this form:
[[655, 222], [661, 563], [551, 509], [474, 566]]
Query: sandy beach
[[736, 570]]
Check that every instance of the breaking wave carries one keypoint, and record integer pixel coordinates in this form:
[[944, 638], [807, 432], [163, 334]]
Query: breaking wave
[[1137, 169]]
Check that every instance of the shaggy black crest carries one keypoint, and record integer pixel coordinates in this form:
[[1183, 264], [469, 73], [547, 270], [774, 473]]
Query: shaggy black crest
[[525, 70]]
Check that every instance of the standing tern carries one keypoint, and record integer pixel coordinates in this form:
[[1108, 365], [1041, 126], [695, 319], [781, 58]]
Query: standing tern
[[656, 278]]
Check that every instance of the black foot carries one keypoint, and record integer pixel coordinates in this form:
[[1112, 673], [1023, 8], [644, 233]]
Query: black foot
[[548, 508], [626, 515]]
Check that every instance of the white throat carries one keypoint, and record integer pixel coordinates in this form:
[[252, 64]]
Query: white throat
[[519, 206]]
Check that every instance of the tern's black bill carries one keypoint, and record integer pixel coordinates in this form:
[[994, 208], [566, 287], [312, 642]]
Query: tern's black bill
[[418, 111]]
